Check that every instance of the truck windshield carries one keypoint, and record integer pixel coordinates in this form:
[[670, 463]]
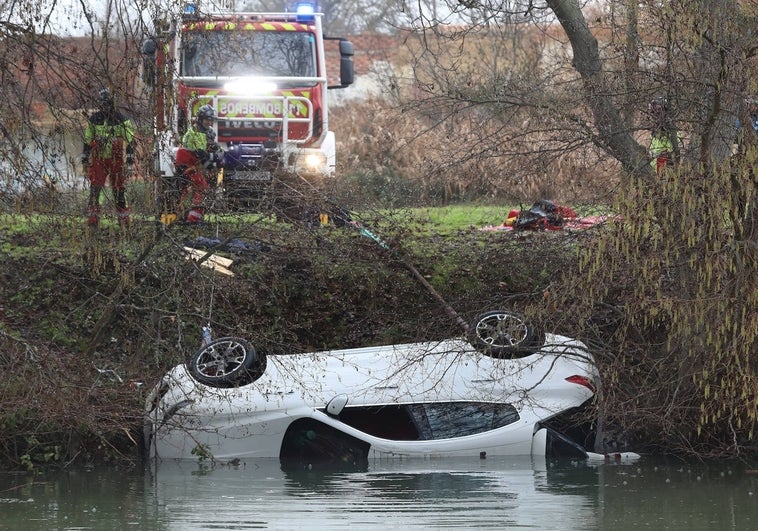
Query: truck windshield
[[248, 53]]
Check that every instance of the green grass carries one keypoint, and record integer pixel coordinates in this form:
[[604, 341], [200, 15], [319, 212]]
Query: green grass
[[438, 220], [456, 217], [421, 220]]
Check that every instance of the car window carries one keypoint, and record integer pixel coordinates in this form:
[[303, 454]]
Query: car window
[[308, 441], [392, 422], [459, 419], [424, 422]]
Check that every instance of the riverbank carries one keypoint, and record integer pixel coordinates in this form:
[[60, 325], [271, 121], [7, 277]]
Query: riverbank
[[89, 322]]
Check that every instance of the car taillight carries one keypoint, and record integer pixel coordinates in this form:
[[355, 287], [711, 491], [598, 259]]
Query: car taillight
[[582, 380]]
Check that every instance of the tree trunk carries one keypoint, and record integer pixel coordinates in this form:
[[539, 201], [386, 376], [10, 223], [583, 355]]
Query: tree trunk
[[613, 135]]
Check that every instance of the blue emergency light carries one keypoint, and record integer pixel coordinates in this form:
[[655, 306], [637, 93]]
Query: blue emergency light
[[304, 11], [190, 9]]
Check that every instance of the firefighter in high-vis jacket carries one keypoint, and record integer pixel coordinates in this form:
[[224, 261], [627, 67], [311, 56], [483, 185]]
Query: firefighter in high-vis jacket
[[197, 160], [108, 155], [665, 140]]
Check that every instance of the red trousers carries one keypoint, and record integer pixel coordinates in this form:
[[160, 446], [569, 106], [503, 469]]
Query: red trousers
[[661, 161], [193, 172], [111, 170]]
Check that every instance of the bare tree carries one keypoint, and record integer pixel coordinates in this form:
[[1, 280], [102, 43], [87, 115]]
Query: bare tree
[[521, 100], [681, 320]]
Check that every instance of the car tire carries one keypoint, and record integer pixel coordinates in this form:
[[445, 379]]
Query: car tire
[[504, 334], [227, 362]]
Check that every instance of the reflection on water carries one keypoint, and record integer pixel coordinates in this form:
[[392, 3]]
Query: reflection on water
[[434, 494], [421, 494]]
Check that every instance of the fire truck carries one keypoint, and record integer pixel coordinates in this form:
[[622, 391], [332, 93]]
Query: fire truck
[[265, 74]]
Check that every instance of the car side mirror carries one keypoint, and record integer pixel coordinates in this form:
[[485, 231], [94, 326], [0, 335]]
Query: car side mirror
[[335, 406]]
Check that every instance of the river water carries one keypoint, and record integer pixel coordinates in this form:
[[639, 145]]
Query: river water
[[490, 493]]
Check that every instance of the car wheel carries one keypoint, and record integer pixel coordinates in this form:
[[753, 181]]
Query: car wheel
[[227, 362], [504, 334]]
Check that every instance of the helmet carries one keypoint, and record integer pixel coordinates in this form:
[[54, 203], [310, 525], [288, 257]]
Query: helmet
[[206, 111], [105, 98]]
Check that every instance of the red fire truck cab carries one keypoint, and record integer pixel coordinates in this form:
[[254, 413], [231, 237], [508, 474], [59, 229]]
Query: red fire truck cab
[[265, 74]]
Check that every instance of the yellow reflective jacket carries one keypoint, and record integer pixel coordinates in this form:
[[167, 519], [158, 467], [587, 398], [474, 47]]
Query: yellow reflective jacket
[[107, 133], [660, 144], [195, 140]]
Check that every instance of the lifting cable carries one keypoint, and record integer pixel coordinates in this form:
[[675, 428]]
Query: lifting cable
[[396, 252], [207, 330]]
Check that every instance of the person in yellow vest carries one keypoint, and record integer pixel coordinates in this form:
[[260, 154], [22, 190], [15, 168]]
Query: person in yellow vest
[[198, 155], [666, 140], [108, 155]]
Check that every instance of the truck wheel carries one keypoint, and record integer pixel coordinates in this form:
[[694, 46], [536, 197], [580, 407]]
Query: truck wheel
[[504, 334], [227, 362]]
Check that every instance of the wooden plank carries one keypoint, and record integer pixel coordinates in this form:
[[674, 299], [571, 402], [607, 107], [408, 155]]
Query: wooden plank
[[217, 263], [197, 254]]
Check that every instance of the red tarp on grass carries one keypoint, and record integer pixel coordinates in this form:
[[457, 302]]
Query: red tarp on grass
[[547, 215]]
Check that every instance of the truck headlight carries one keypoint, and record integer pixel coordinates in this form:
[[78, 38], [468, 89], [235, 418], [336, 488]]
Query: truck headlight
[[311, 161]]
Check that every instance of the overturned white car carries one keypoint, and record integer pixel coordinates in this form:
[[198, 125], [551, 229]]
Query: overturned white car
[[504, 390]]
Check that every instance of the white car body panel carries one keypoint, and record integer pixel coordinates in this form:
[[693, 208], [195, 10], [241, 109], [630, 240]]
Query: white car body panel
[[251, 420]]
